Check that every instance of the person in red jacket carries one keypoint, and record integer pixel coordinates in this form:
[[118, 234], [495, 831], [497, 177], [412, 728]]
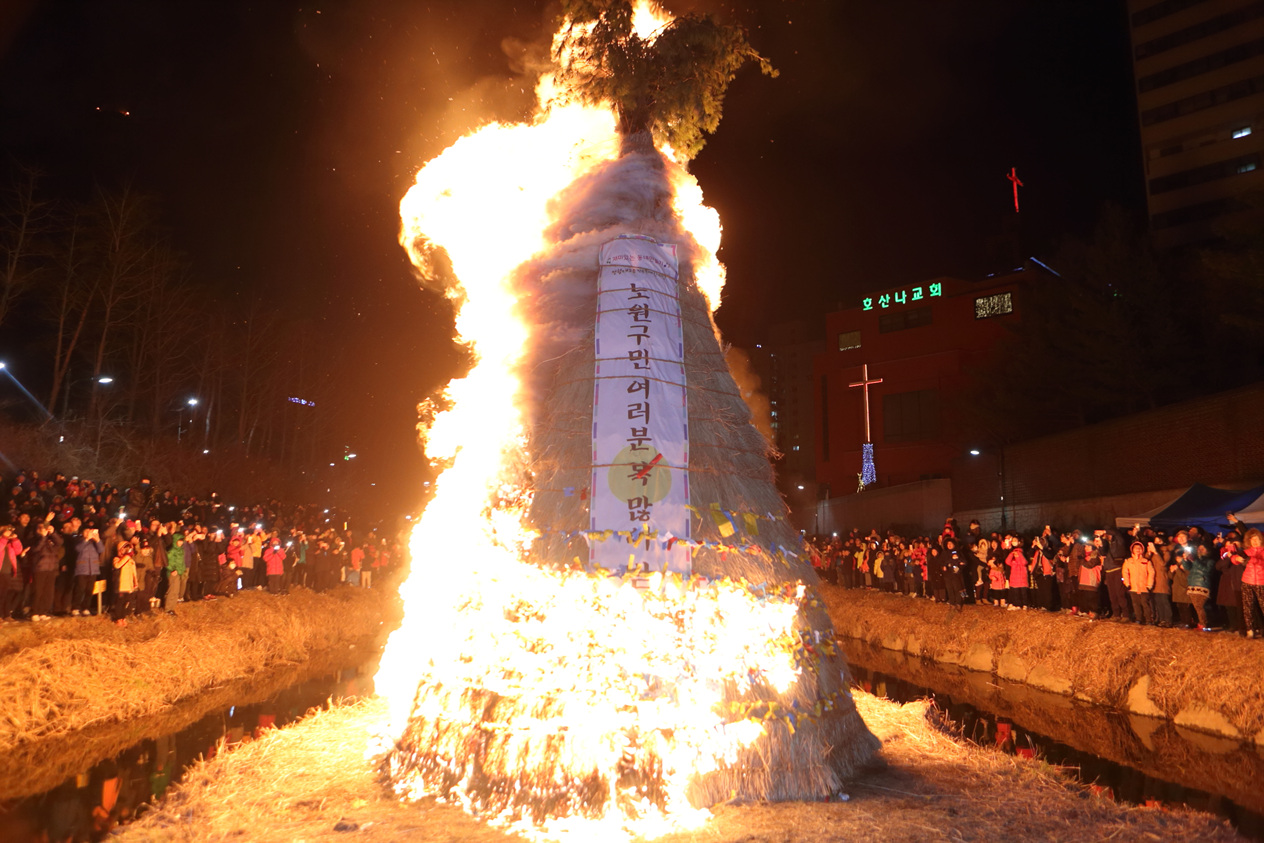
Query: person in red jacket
[[1019, 571], [233, 554], [274, 558]]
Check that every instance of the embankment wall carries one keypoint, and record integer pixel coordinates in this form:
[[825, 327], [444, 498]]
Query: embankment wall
[[1208, 683]]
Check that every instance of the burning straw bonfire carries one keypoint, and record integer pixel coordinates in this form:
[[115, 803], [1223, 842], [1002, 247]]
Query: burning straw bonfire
[[600, 636]]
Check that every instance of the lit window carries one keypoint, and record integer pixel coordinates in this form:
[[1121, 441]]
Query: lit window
[[848, 340], [1000, 304], [1243, 132], [1247, 167]]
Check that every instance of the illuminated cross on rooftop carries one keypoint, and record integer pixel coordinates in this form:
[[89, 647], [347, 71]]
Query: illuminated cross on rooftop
[[865, 382], [1013, 176]]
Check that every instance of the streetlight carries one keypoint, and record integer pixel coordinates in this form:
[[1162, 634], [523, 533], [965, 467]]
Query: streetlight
[[190, 403], [105, 380]]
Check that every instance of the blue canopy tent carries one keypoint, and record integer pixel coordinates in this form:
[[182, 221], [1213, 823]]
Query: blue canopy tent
[[1203, 507]]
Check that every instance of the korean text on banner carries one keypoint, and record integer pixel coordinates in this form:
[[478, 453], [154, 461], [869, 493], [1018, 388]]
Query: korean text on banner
[[640, 477]]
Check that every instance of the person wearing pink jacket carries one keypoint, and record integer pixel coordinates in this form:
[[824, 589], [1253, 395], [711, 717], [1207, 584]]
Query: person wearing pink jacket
[[1252, 580], [1019, 571], [10, 572]]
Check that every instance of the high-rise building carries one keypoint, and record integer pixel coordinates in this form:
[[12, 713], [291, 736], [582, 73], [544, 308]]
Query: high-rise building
[[783, 361], [1199, 71]]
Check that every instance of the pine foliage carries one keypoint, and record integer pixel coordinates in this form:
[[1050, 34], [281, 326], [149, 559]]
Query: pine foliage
[[671, 83]]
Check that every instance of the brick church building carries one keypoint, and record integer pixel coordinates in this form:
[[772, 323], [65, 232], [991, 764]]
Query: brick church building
[[919, 344]]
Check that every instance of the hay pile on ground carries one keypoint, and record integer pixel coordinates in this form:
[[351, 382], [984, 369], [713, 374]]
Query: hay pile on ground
[[1155, 747], [33, 767], [82, 673], [310, 782], [1101, 660]]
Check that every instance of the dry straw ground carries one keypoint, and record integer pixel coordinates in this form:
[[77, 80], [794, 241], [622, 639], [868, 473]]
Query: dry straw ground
[[1102, 660], [75, 690], [1158, 747], [311, 782]]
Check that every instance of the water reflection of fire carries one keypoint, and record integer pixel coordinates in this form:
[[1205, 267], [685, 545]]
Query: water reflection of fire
[[542, 696]]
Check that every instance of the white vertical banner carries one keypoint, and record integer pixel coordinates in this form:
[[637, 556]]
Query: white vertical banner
[[640, 477]]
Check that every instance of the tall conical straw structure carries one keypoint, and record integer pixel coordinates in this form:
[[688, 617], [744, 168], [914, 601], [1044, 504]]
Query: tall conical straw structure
[[740, 527]]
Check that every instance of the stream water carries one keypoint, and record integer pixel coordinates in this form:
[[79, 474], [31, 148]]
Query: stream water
[[113, 791], [1135, 760]]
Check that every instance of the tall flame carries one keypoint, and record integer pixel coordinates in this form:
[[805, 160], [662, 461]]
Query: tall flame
[[622, 672]]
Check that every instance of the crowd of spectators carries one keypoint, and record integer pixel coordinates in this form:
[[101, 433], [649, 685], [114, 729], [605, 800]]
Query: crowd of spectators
[[1192, 579], [71, 547]]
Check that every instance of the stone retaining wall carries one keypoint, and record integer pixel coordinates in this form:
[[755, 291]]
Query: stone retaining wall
[[1209, 683]]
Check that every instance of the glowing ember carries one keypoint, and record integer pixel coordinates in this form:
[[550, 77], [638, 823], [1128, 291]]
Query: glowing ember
[[555, 701]]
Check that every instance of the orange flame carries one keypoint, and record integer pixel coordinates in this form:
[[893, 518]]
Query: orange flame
[[621, 661]]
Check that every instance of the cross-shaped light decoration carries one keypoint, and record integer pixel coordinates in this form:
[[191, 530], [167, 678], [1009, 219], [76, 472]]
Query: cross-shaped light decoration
[[868, 474]]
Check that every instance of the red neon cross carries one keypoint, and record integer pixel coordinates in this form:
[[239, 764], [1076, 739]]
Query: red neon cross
[[1013, 176]]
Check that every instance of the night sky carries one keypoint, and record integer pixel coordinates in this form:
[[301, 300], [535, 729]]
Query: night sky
[[280, 137]]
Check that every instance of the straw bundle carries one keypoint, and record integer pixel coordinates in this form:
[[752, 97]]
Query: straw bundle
[[813, 737]]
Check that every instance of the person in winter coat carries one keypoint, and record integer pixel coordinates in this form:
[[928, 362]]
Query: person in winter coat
[[1197, 567], [1044, 552], [1088, 594], [1162, 593], [177, 570], [357, 561], [128, 583], [235, 554], [935, 584], [47, 551], [1229, 590], [88, 553], [274, 558], [1252, 581], [146, 574], [998, 586], [954, 579], [252, 563], [214, 549], [322, 565], [982, 576], [1180, 591], [1019, 570], [10, 571], [1138, 577], [1112, 554]]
